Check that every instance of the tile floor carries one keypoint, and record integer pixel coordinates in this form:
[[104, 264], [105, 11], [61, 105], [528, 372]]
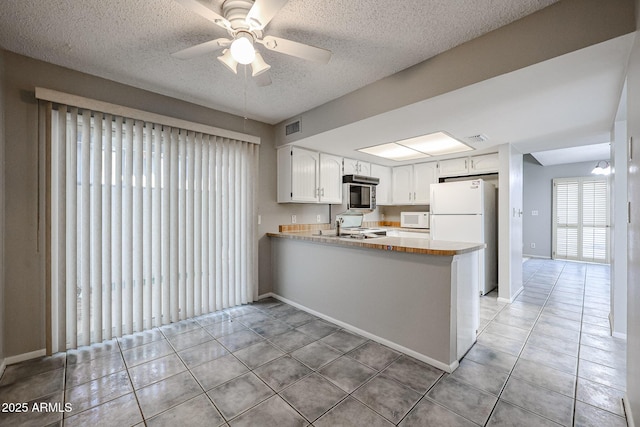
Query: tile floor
[[545, 359]]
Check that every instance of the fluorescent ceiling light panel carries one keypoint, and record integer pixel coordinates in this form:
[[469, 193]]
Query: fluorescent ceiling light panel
[[419, 147], [435, 144], [393, 151]]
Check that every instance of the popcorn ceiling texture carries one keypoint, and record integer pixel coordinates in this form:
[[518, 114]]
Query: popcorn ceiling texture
[[130, 41]]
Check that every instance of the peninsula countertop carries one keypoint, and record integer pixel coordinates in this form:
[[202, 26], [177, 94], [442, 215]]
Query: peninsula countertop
[[387, 243]]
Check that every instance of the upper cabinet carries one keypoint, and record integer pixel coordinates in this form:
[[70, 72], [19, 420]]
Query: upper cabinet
[[487, 163], [454, 167], [306, 176], [411, 183], [356, 167], [383, 190]]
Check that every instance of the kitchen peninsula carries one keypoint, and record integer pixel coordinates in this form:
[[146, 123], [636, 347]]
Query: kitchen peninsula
[[417, 296]]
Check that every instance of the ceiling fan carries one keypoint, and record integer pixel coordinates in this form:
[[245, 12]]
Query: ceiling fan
[[245, 21]]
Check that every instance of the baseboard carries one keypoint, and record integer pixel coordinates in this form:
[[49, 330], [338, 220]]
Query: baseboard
[[613, 333], [513, 298], [443, 366], [25, 356], [267, 295], [536, 256], [627, 411]]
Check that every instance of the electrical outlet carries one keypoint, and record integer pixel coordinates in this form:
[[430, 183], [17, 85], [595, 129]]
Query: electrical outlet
[[381, 216], [293, 219], [318, 219], [534, 213], [533, 245], [259, 219]]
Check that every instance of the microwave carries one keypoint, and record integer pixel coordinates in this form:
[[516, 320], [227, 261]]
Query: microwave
[[360, 192], [414, 219]]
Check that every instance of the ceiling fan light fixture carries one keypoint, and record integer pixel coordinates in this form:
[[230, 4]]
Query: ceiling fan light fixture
[[258, 66], [227, 59], [242, 48]]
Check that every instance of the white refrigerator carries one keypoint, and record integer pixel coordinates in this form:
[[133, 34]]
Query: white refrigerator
[[465, 211]]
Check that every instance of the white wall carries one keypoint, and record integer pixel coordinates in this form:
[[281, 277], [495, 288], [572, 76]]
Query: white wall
[[618, 232], [2, 168], [509, 223], [633, 256]]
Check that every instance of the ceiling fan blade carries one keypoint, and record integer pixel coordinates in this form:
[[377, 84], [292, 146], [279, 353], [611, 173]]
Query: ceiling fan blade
[[201, 49], [205, 12], [263, 79], [263, 11], [299, 50]]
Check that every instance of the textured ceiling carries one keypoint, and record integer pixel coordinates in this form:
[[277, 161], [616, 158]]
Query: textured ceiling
[[130, 41]]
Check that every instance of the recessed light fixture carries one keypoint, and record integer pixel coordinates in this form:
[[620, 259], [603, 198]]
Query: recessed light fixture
[[433, 144]]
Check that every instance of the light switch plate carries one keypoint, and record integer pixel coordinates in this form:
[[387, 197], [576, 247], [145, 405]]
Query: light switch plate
[[534, 213], [318, 219], [293, 219]]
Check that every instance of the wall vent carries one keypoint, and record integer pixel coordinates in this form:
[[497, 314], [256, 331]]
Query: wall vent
[[477, 138], [291, 128]]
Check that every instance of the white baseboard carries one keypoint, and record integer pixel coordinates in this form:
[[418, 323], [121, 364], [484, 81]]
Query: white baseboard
[[620, 335], [447, 368], [627, 411], [513, 297], [535, 256], [25, 356], [267, 295]]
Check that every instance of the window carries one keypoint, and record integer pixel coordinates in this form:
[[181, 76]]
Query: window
[[151, 224], [581, 219]]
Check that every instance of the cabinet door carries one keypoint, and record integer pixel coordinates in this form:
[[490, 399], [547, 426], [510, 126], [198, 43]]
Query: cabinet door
[[305, 173], [454, 167], [330, 179], [485, 164], [383, 190], [356, 167], [424, 174], [364, 168], [402, 193]]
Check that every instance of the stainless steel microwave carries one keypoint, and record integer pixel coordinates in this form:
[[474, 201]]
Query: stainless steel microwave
[[360, 192]]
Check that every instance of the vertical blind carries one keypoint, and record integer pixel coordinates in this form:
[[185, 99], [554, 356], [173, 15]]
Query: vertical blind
[[581, 213], [150, 225]]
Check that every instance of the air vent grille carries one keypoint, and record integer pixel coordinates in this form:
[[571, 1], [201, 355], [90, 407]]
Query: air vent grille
[[292, 128], [477, 138]]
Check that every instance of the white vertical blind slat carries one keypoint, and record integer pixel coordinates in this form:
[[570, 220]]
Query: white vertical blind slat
[[85, 231], [71, 227], [138, 268], [107, 228], [157, 227], [117, 229], [166, 226], [205, 225], [197, 226], [188, 232], [163, 216], [127, 231], [147, 224], [61, 211], [174, 242], [96, 229]]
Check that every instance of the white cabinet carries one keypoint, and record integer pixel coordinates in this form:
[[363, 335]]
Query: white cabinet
[[408, 234], [383, 190], [411, 183], [454, 167], [306, 176], [330, 179], [402, 191], [424, 174], [475, 165], [487, 163], [356, 167]]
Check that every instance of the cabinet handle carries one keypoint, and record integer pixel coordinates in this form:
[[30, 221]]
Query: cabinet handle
[[465, 164], [414, 195], [472, 166], [630, 148], [317, 192], [409, 195]]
